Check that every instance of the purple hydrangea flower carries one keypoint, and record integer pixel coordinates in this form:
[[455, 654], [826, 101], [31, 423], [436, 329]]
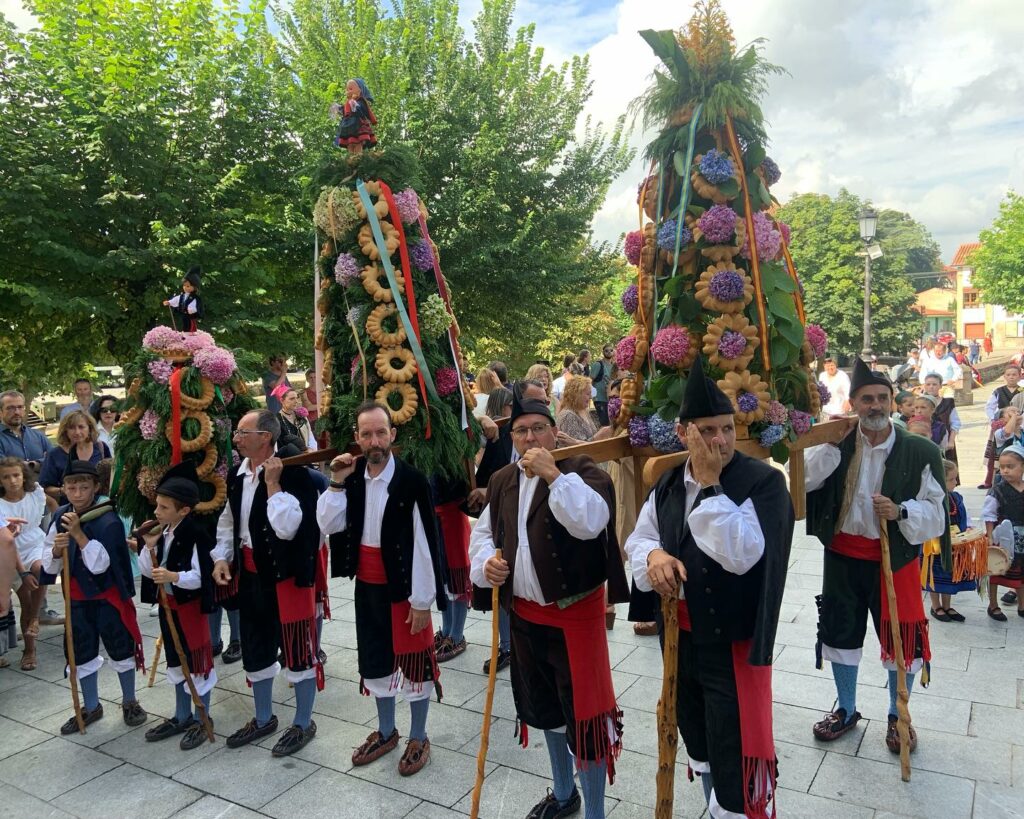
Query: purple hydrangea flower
[[625, 350], [771, 171], [776, 414], [718, 224], [769, 240], [747, 402], [823, 393], [346, 269], [639, 434], [149, 425], [630, 299], [422, 255], [716, 167], [800, 421], [632, 246], [817, 338], [772, 435], [671, 345], [408, 204], [447, 380], [663, 434], [726, 285], [161, 370], [614, 408], [667, 236], [732, 344]]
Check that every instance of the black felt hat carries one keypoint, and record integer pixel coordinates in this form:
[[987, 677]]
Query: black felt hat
[[528, 406], [81, 468], [180, 482], [702, 398], [864, 376], [194, 276]]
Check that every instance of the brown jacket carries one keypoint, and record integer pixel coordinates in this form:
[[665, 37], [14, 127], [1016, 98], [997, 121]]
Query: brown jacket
[[566, 566]]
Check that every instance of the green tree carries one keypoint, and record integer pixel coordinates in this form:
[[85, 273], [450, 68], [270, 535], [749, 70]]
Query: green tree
[[825, 246], [137, 139], [999, 262], [511, 182], [903, 234]]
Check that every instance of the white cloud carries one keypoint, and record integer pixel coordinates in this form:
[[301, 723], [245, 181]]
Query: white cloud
[[14, 11]]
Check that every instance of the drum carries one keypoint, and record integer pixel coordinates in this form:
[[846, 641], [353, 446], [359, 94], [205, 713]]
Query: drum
[[970, 554], [998, 562]]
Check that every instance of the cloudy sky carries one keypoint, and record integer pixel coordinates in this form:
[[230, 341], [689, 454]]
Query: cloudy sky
[[916, 105]]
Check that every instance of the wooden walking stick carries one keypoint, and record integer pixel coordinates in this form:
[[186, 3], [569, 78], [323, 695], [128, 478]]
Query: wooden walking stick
[[668, 729], [176, 641], [69, 640], [902, 694], [156, 660], [485, 731]]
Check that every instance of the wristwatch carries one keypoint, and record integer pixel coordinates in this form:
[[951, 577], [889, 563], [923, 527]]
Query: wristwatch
[[904, 514], [710, 491], [337, 484]]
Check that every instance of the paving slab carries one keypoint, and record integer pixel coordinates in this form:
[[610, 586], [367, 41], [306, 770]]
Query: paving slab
[[16, 737], [54, 767], [16, 803], [213, 807], [330, 794], [128, 791]]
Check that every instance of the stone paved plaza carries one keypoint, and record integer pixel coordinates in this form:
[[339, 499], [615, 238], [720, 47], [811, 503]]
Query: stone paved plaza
[[970, 722]]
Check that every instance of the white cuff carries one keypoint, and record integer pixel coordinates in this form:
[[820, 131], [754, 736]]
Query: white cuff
[[267, 673]]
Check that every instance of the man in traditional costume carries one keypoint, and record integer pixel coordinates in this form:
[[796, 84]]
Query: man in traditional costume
[[379, 515], [183, 564], [267, 547], [722, 524], [101, 593], [555, 524], [877, 472]]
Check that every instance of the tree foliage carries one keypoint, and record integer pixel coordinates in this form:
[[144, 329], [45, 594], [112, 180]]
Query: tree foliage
[[999, 262], [826, 241]]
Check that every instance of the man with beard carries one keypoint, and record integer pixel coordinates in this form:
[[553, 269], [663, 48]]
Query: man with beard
[[877, 473], [267, 546], [16, 439], [379, 515], [722, 524]]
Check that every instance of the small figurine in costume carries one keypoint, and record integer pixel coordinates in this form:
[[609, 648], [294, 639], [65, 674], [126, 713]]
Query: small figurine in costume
[[355, 118], [187, 303]]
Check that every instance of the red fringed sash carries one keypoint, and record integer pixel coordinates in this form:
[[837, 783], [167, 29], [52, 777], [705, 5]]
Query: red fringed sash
[[296, 608], [907, 584], [414, 653], [593, 695], [455, 532], [754, 697], [125, 608], [320, 582], [196, 630]]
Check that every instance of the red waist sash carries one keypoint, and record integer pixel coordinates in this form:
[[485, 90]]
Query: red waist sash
[[126, 610]]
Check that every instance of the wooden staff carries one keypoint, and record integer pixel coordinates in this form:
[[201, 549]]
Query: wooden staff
[[69, 640], [492, 673], [156, 660], [176, 640], [668, 728], [902, 694]]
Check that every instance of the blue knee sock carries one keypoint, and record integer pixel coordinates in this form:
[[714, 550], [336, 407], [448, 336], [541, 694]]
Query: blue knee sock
[[263, 697], [90, 691], [894, 692], [205, 698], [182, 703], [419, 719], [233, 625], [846, 686], [215, 618], [305, 693], [707, 784], [446, 620], [459, 610], [561, 765], [592, 779], [504, 630], [127, 680], [386, 716]]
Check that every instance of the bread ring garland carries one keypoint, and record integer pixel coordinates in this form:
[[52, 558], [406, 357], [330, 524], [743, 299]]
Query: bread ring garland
[[368, 244], [387, 370], [410, 402], [371, 284], [203, 401], [130, 417], [378, 335], [205, 431], [380, 207], [209, 462], [220, 494]]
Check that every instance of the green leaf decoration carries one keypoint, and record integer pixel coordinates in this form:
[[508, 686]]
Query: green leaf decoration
[[780, 452], [679, 161], [730, 187], [687, 308], [754, 156]]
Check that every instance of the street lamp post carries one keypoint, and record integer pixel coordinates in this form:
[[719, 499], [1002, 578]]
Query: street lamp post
[[868, 219]]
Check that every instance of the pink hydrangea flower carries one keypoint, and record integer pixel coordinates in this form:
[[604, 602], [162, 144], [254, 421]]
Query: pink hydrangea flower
[[786, 232], [160, 369], [624, 352], [215, 363], [161, 338], [632, 246], [776, 414], [769, 240], [149, 425], [818, 339], [447, 380], [800, 421], [193, 342], [408, 204], [671, 345]]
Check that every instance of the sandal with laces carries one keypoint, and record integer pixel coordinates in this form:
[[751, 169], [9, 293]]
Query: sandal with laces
[[834, 725]]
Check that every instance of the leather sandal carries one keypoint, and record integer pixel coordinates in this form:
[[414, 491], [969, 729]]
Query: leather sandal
[[834, 725], [417, 754], [374, 748], [28, 661], [892, 736]]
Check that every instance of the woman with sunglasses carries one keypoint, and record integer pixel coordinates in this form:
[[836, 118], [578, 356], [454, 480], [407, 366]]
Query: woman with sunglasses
[[105, 414]]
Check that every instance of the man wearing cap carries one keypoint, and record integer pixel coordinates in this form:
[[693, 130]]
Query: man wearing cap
[[722, 525], [267, 547], [555, 525], [101, 593], [184, 566], [877, 473]]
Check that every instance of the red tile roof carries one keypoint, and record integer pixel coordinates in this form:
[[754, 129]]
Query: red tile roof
[[960, 258]]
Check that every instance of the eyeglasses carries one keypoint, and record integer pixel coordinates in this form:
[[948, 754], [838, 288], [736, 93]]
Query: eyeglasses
[[244, 432], [107, 409], [536, 429]]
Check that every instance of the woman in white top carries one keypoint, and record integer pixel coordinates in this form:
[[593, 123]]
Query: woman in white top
[[21, 498], [486, 383], [106, 417]]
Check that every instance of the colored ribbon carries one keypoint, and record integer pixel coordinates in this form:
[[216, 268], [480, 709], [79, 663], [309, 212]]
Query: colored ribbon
[[175, 384], [755, 267], [453, 340]]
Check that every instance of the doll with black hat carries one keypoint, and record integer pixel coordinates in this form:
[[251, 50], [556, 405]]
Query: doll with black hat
[[188, 303]]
